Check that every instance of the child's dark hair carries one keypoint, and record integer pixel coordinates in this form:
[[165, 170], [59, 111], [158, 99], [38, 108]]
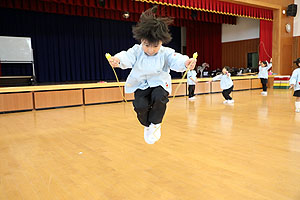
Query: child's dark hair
[[152, 28], [265, 62], [227, 68]]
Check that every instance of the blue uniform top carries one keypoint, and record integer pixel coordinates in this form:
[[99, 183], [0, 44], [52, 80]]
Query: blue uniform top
[[263, 71], [191, 74], [295, 79], [225, 81], [150, 71]]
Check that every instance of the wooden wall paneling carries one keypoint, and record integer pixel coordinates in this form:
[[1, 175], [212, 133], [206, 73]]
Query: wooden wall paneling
[[61, 98], [296, 49], [182, 91], [215, 87], [270, 82], [202, 88], [242, 84], [286, 42], [102, 95], [256, 84], [282, 41], [234, 54], [287, 61], [129, 96], [276, 43], [16, 101]]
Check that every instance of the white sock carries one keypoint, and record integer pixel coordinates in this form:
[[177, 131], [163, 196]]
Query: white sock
[[156, 128], [297, 105]]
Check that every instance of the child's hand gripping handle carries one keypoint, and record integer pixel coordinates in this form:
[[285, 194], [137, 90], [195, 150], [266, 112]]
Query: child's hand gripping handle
[[191, 63], [113, 61]]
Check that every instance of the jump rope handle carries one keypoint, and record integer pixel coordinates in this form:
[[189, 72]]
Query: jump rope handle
[[108, 56], [195, 55]]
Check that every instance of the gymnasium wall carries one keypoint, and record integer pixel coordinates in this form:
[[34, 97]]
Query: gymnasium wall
[[297, 20], [296, 39], [234, 54], [282, 41], [244, 29], [239, 40]]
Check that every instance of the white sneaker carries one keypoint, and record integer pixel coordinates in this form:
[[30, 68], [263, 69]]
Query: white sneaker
[[147, 132], [230, 101], [155, 132], [225, 102], [192, 98], [264, 93]]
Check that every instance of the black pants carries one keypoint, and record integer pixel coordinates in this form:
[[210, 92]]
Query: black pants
[[264, 82], [226, 93], [191, 90], [150, 105]]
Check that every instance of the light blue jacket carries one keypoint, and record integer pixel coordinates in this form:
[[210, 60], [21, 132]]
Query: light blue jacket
[[295, 79], [150, 71], [263, 71], [191, 74], [225, 81]]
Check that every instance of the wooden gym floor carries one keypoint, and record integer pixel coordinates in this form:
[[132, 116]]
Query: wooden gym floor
[[208, 151]]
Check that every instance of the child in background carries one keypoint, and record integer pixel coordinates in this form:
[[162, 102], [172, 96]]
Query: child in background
[[192, 81], [226, 84], [150, 78], [264, 67], [295, 83]]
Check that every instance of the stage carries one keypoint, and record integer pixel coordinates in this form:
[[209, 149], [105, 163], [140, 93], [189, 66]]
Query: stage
[[56, 96]]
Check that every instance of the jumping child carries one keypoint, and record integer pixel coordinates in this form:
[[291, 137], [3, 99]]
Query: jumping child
[[150, 78]]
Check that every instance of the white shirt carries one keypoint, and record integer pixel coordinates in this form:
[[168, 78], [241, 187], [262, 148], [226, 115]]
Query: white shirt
[[191, 74], [150, 71], [225, 81], [263, 71], [295, 79]]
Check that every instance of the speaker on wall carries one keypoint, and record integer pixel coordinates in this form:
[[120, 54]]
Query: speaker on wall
[[292, 10]]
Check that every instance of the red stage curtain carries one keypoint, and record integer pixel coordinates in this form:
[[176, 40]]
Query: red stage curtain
[[266, 33], [205, 38], [113, 10], [216, 6]]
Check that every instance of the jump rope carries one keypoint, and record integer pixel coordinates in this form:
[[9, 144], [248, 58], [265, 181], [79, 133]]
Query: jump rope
[[263, 45], [195, 55]]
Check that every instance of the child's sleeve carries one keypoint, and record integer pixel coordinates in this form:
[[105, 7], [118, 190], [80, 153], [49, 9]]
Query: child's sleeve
[[128, 58], [218, 77], [269, 66], [293, 79], [176, 60]]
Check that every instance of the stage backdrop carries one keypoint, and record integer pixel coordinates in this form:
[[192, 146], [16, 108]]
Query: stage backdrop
[[205, 38], [266, 35], [70, 48]]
